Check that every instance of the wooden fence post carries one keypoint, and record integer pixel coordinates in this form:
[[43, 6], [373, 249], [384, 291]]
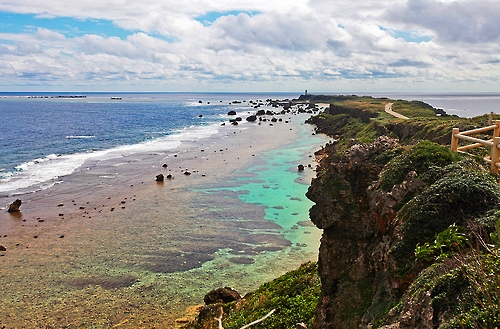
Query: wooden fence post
[[495, 154], [496, 131], [454, 140]]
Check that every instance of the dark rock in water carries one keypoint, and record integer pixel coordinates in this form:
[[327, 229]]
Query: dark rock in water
[[165, 165], [2, 248], [301, 167], [234, 123], [224, 295], [200, 116], [238, 119], [187, 173], [231, 112], [169, 176], [14, 206], [159, 178], [252, 118], [260, 112], [274, 120], [241, 260]]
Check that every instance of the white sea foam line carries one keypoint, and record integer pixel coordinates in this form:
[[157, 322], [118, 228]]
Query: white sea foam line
[[80, 137], [42, 170]]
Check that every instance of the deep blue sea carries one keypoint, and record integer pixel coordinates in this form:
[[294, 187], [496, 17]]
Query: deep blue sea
[[46, 135]]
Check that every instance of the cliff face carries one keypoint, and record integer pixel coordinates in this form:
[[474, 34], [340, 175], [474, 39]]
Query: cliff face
[[375, 203], [356, 221]]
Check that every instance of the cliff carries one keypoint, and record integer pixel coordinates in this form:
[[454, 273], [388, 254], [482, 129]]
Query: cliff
[[411, 230], [378, 202]]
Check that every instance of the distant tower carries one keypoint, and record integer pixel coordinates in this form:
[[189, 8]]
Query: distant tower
[[306, 92]]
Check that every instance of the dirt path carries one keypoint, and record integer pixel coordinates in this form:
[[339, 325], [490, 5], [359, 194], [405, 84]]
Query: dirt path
[[388, 109]]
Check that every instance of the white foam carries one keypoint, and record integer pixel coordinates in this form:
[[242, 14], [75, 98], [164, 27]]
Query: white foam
[[80, 137], [42, 173]]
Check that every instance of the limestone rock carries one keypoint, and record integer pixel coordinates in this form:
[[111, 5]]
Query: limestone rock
[[224, 295]]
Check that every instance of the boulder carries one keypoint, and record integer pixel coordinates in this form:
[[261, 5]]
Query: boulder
[[2, 248], [300, 167], [221, 295], [231, 112], [159, 178], [14, 206], [252, 118], [261, 112]]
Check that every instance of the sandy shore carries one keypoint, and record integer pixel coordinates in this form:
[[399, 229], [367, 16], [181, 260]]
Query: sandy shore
[[106, 246]]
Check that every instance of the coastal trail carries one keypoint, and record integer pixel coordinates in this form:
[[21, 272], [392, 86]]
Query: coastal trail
[[388, 109]]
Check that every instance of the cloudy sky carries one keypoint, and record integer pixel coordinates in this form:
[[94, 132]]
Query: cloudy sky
[[250, 45]]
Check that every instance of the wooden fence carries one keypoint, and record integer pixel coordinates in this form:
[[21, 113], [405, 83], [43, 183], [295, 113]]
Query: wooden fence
[[494, 144]]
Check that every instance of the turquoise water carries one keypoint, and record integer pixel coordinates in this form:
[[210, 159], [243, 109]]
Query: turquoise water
[[275, 183]]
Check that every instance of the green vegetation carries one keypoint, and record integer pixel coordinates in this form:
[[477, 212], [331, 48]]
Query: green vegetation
[[458, 197], [293, 295], [464, 291], [446, 242], [426, 159]]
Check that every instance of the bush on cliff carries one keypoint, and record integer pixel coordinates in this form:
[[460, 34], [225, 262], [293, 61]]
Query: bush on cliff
[[425, 158], [458, 197]]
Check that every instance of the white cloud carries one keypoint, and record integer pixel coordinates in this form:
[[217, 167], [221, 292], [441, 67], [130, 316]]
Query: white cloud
[[469, 21], [286, 44]]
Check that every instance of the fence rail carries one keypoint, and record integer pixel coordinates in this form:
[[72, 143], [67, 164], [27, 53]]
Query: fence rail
[[494, 144]]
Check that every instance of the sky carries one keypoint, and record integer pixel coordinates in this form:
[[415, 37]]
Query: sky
[[250, 45]]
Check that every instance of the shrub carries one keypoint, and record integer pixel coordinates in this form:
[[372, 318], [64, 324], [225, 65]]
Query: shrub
[[459, 196], [425, 158]]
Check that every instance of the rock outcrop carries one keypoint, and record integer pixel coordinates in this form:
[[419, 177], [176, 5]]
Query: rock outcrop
[[221, 295], [354, 241]]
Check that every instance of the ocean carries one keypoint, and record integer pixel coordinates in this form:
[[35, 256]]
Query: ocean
[[99, 242], [47, 135]]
